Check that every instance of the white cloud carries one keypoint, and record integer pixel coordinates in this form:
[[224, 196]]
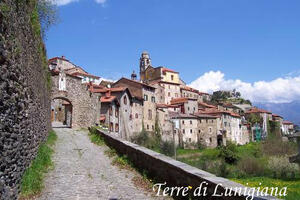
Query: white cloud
[[65, 2], [100, 1], [279, 90]]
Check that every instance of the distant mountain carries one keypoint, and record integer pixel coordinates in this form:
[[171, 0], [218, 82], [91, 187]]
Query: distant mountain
[[289, 111]]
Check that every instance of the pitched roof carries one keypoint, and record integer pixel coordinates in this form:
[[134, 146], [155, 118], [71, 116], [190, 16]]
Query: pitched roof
[[105, 99], [218, 112], [180, 100], [187, 88], [257, 110], [166, 106], [84, 74], [206, 105], [164, 69], [287, 123]]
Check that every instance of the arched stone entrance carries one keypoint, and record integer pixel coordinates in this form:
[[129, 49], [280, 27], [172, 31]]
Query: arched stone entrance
[[61, 112]]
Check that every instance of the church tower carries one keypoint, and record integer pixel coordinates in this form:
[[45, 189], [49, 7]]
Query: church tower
[[145, 62]]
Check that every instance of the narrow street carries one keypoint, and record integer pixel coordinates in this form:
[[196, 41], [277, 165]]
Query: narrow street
[[83, 171]]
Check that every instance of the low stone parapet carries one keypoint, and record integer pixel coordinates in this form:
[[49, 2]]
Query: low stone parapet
[[173, 173]]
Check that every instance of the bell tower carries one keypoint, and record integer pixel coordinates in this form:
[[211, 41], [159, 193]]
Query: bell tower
[[145, 62]]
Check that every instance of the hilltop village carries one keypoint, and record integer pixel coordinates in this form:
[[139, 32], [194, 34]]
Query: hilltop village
[[158, 101]]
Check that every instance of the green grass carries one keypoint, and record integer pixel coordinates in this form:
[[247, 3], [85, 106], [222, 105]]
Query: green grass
[[95, 137], [293, 187], [188, 151], [32, 180]]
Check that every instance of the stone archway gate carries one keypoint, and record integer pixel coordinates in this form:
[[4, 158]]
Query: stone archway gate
[[85, 105]]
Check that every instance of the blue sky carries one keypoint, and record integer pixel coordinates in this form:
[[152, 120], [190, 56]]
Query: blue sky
[[250, 40]]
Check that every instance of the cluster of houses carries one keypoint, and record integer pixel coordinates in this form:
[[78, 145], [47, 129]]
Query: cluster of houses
[[160, 100]]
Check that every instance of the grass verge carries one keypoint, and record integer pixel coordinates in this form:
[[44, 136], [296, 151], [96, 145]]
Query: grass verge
[[32, 181], [95, 137]]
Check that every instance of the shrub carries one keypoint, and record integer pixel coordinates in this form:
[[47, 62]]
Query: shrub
[[167, 148], [229, 153], [217, 167], [274, 146], [280, 167], [251, 166]]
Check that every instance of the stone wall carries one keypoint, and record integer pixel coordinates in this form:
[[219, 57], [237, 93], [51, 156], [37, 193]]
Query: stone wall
[[24, 96], [174, 173]]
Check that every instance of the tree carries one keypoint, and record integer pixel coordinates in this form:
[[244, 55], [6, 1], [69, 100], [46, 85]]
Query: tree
[[48, 15], [254, 118]]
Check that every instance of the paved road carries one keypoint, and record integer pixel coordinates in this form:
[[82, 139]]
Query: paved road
[[83, 171]]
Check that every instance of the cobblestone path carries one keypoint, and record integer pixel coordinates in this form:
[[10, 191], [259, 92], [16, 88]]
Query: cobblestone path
[[83, 172]]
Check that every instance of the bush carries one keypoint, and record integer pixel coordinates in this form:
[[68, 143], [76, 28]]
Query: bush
[[229, 153], [274, 146], [217, 167], [280, 167], [167, 148], [251, 166]]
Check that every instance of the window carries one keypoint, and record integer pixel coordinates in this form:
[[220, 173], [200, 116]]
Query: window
[[191, 122], [190, 139], [172, 77], [191, 130], [210, 130], [150, 114], [152, 128], [210, 140], [161, 97], [111, 127], [130, 117], [59, 109], [153, 99], [183, 130], [188, 108], [110, 110], [117, 127], [136, 115], [225, 123], [182, 121], [169, 87], [169, 94], [117, 112], [147, 127], [125, 100], [199, 131], [145, 97]]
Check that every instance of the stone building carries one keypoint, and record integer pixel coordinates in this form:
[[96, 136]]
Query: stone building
[[265, 117], [167, 80], [63, 64], [287, 128], [185, 128], [190, 93], [207, 130], [187, 105], [81, 106], [144, 106], [116, 112]]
